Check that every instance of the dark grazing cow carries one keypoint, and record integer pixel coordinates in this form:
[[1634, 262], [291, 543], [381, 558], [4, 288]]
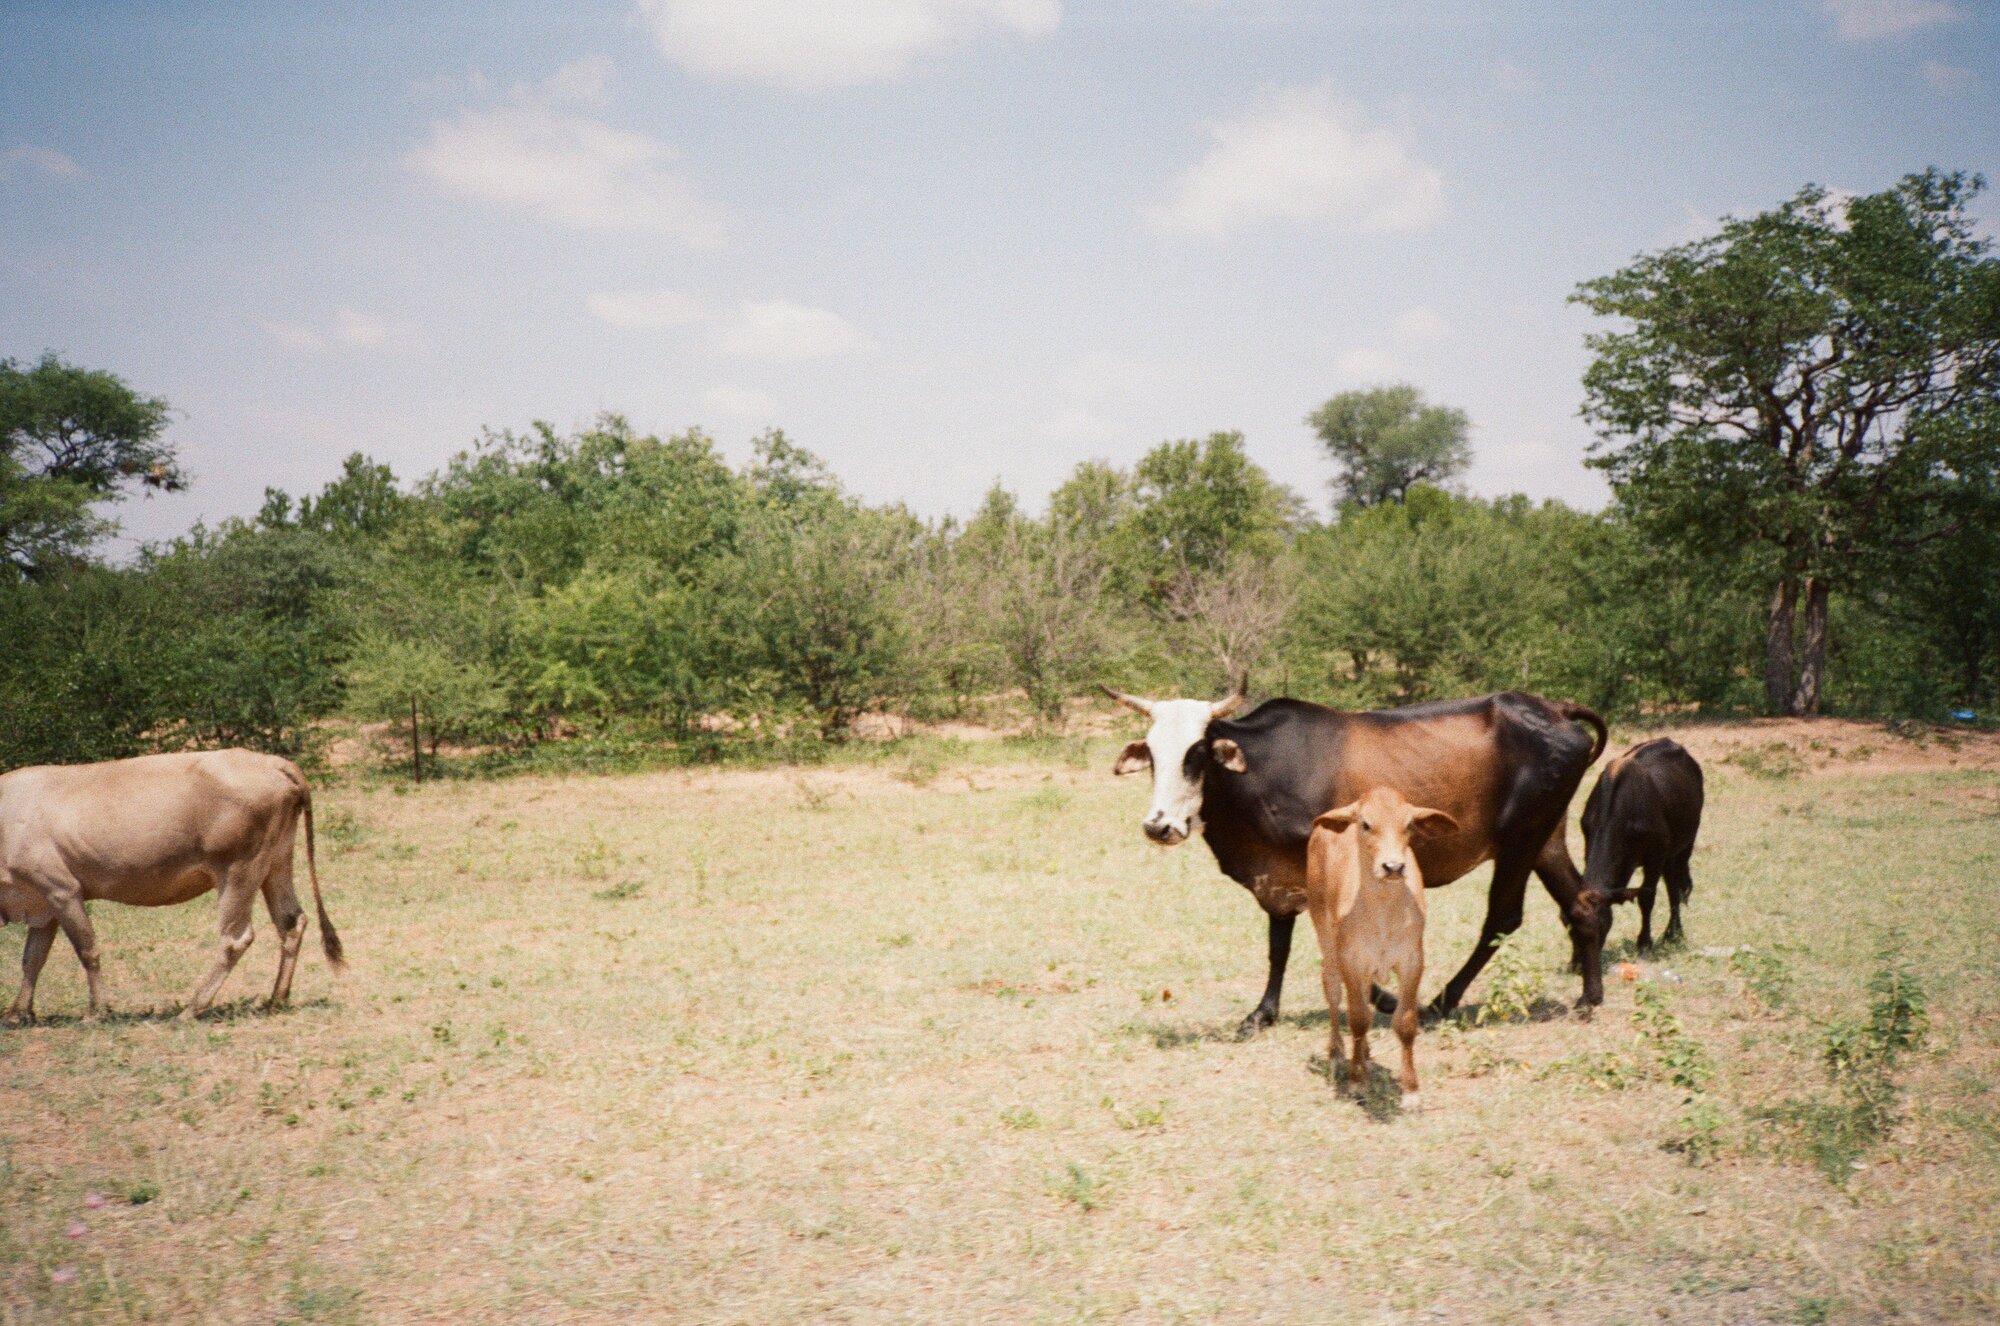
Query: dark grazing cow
[[1643, 814], [1504, 767]]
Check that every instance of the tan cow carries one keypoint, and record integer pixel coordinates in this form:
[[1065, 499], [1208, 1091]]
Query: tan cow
[[151, 832], [1365, 892]]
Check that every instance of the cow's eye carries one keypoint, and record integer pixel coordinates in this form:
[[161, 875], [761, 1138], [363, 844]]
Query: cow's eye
[[1196, 757]]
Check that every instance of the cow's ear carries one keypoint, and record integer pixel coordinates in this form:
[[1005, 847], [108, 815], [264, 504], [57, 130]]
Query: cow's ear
[[1341, 819], [1428, 823], [1229, 755], [1136, 756]]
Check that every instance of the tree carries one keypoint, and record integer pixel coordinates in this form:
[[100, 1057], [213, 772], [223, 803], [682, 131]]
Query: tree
[[71, 438], [402, 678], [1038, 588], [1809, 384], [1385, 439], [1195, 506]]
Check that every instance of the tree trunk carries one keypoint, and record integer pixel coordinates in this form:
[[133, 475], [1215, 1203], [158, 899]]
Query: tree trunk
[[1812, 667], [1778, 648], [416, 750]]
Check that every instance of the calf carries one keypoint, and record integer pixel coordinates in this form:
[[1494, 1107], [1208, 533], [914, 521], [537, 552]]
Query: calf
[[1643, 814], [1365, 893], [151, 832]]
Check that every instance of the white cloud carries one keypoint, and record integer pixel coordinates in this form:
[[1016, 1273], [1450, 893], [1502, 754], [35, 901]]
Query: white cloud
[[534, 153], [1871, 20], [646, 308], [1419, 325], [585, 82], [779, 329], [349, 328], [1366, 365], [806, 45], [1304, 155], [1950, 79], [46, 160], [739, 403]]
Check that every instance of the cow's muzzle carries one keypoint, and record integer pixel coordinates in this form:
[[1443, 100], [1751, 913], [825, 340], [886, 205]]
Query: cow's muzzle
[[1164, 833]]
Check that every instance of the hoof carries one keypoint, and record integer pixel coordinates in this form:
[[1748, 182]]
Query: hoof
[[1413, 1101], [1248, 1028]]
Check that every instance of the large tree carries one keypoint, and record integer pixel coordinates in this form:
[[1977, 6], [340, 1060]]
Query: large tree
[[70, 439], [1812, 384], [1385, 439]]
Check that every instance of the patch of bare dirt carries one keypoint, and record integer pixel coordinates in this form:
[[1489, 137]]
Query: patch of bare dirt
[[1831, 746]]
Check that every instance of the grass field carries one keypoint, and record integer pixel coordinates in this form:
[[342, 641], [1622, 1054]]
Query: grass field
[[939, 1038]]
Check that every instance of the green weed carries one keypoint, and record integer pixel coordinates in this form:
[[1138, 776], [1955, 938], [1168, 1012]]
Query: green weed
[[1514, 985], [1860, 1057], [1080, 1186], [1765, 974], [630, 888]]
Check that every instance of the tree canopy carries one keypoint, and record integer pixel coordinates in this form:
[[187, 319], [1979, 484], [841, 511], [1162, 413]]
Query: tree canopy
[[70, 439], [1811, 383], [1385, 440]]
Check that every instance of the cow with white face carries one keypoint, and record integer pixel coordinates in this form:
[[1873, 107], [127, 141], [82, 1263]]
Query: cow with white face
[[1176, 749], [1503, 767]]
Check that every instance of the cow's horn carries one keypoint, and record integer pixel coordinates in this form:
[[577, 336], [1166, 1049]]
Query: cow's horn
[[1233, 701], [1132, 702]]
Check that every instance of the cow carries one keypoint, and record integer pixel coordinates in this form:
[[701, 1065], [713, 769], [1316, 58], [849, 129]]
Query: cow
[[1644, 813], [1504, 766], [1365, 893], [151, 832]]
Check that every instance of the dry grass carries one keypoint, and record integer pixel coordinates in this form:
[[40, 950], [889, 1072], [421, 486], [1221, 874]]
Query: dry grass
[[947, 1042]]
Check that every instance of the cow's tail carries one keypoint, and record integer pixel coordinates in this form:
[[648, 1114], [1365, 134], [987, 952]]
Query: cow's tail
[[1570, 709], [329, 938]]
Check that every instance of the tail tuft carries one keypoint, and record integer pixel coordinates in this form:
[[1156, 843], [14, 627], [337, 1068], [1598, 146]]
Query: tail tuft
[[329, 938]]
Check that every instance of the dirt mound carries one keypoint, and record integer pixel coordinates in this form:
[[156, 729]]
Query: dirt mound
[[1780, 747]]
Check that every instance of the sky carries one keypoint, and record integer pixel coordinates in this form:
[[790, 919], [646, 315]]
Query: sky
[[941, 243]]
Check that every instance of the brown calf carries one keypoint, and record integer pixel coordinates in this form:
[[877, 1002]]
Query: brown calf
[[1365, 892]]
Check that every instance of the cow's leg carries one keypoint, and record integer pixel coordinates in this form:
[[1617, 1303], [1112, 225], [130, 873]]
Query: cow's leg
[[75, 923], [1405, 1024], [1587, 919], [290, 919], [1503, 917], [34, 952], [1266, 1011], [1649, 893], [1329, 981], [1360, 1016], [234, 901], [1680, 884]]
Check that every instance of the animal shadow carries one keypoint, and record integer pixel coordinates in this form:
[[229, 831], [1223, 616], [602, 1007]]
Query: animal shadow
[[1466, 1016], [1378, 1096], [1181, 1035], [247, 1009]]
